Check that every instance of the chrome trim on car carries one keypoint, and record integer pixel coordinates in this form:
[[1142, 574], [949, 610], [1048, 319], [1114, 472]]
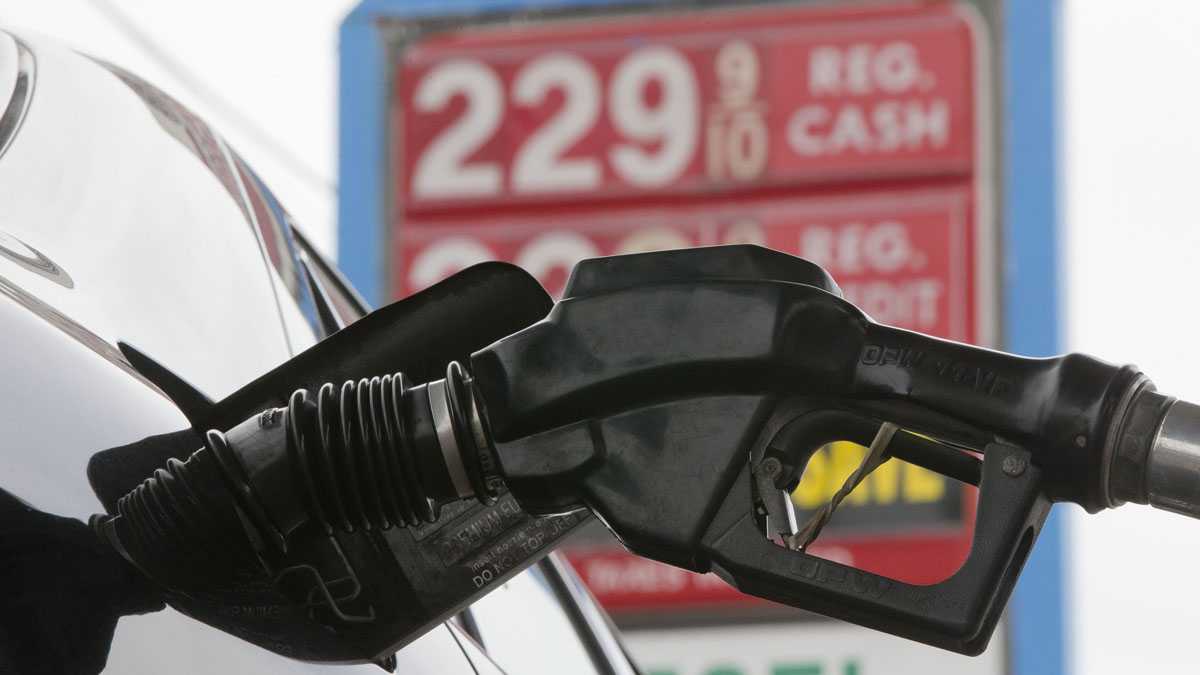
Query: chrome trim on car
[[22, 94]]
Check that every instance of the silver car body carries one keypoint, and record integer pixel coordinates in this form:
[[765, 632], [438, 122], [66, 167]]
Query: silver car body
[[125, 218]]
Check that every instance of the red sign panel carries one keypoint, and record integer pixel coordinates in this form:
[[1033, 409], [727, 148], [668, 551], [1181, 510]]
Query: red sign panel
[[685, 103], [848, 135], [903, 257]]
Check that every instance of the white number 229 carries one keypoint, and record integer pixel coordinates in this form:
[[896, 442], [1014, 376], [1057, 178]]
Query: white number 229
[[659, 140]]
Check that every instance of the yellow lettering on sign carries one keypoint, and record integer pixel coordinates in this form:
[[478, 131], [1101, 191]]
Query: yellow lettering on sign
[[810, 493], [893, 481], [884, 482], [921, 485], [846, 458]]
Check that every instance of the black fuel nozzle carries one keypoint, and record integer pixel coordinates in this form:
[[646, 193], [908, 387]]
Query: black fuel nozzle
[[678, 396], [671, 392]]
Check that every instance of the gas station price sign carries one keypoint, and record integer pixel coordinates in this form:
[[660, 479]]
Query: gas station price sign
[[682, 104], [854, 135]]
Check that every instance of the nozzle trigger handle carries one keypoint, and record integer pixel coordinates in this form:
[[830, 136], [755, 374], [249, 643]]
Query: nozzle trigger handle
[[958, 614]]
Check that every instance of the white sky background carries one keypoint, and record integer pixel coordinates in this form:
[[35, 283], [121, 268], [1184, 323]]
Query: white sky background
[[1131, 152], [1131, 188], [275, 61]]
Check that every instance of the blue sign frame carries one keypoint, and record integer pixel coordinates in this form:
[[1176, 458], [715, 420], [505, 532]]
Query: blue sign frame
[[1029, 227], [1031, 293]]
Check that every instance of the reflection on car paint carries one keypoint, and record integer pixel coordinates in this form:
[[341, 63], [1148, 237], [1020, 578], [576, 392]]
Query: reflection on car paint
[[71, 327], [33, 260], [22, 94]]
